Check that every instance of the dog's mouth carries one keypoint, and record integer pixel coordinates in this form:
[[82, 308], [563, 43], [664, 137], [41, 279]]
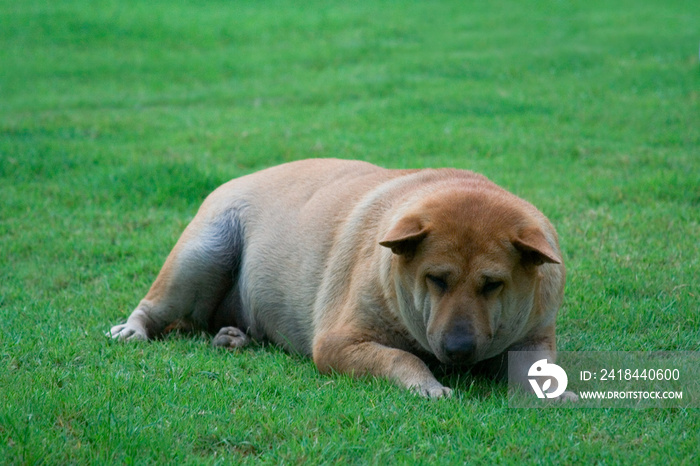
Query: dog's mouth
[[459, 358], [461, 361]]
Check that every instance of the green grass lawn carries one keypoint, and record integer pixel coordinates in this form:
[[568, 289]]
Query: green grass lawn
[[118, 117]]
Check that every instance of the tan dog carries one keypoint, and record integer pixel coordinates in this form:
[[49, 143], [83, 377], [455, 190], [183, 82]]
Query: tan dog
[[367, 270]]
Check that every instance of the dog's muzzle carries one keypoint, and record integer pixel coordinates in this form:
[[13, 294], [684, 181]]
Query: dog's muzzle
[[459, 345]]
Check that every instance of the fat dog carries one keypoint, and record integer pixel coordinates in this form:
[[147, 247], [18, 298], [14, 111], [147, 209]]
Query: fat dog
[[367, 270]]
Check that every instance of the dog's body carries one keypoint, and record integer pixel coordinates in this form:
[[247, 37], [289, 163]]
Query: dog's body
[[367, 270]]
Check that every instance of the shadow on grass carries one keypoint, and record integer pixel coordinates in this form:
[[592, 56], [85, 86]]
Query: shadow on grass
[[478, 382]]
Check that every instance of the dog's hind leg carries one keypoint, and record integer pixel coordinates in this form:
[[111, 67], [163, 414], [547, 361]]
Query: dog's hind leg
[[197, 275], [226, 320]]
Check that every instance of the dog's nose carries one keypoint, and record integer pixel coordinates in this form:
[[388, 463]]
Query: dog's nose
[[459, 346]]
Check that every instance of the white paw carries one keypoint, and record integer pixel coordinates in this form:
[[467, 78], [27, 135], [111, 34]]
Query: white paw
[[433, 391], [568, 397], [127, 332]]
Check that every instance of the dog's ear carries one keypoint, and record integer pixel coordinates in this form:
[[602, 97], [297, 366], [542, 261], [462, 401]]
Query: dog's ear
[[535, 249], [405, 235]]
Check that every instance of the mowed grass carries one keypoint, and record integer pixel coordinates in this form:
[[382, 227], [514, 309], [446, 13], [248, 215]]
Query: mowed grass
[[118, 117]]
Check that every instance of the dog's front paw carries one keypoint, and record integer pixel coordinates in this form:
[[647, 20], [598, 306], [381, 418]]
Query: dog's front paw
[[567, 397], [231, 338], [432, 391], [127, 332]]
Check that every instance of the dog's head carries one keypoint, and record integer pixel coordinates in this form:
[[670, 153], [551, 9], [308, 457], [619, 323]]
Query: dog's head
[[474, 271]]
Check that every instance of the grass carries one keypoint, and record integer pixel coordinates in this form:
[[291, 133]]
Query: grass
[[118, 117]]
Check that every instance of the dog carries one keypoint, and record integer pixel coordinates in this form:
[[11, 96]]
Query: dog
[[368, 271]]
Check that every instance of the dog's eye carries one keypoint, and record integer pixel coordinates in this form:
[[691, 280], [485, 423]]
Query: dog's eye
[[439, 282], [490, 286]]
